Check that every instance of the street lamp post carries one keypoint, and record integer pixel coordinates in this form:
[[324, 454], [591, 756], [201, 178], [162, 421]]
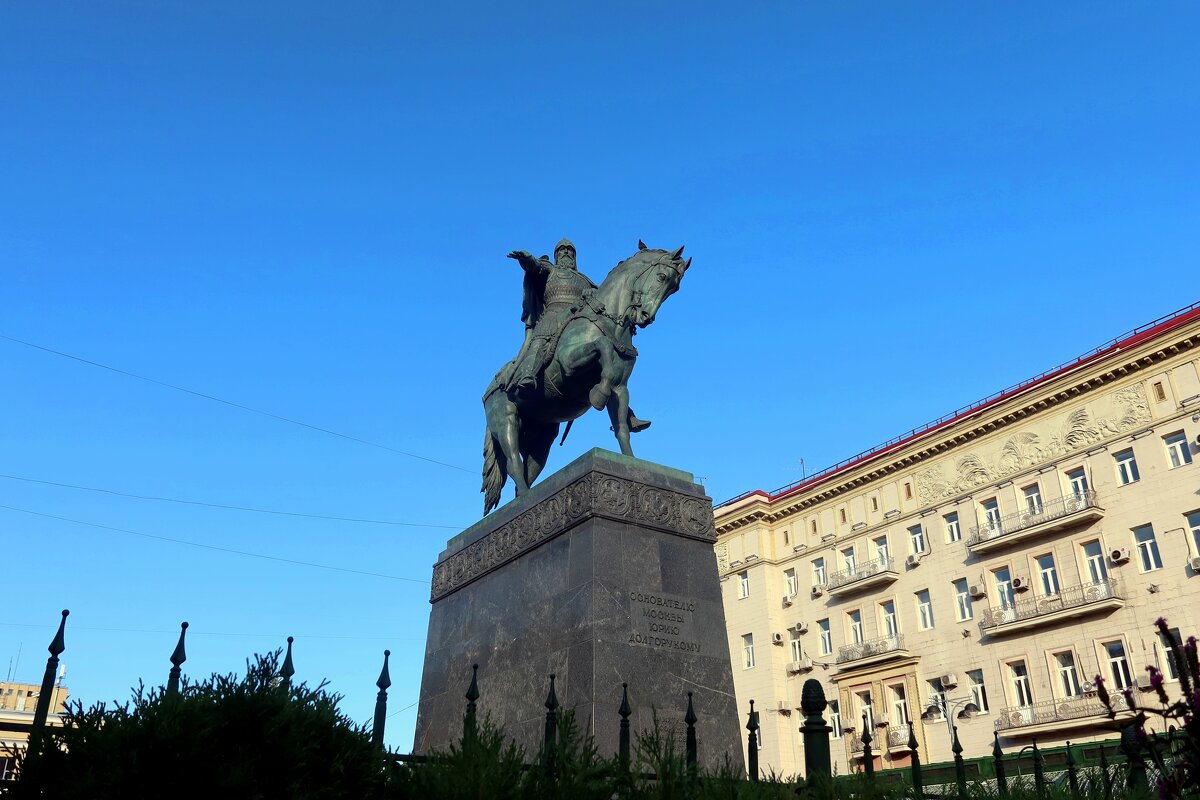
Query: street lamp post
[[965, 706]]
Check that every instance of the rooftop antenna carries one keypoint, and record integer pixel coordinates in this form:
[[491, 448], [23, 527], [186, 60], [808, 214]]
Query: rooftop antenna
[[13, 671]]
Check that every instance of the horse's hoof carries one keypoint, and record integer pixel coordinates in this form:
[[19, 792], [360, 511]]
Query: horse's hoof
[[598, 398]]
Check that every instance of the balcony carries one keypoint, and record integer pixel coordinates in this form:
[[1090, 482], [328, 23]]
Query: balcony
[[1082, 711], [879, 572], [872, 651], [1071, 603], [1054, 515], [897, 738], [854, 744]]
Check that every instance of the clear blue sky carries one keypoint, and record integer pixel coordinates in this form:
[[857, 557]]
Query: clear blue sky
[[893, 208]]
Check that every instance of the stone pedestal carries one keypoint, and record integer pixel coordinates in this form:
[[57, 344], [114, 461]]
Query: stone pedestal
[[603, 573]]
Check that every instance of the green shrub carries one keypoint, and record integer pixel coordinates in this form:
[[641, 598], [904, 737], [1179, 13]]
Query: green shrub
[[251, 738]]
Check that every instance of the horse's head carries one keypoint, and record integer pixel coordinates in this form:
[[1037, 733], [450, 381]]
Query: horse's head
[[654, 275]]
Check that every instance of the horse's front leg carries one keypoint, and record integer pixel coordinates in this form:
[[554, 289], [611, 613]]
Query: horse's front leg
[[618, 412]]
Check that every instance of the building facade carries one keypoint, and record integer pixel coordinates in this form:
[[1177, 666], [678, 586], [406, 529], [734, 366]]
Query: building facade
[[980, 571], [17, 704]]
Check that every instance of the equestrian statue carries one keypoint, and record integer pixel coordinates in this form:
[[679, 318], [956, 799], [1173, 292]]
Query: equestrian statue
[[578, 353]]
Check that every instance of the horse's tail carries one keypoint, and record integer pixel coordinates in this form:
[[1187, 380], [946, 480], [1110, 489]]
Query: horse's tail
[[494, 475]]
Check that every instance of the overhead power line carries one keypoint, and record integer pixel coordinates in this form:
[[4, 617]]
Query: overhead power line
[[231, 403], [213, 546], [192, 631], [228, 507]]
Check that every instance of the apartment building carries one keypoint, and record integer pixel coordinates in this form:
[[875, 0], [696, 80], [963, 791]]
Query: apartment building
[[980, 571], [17, 704]]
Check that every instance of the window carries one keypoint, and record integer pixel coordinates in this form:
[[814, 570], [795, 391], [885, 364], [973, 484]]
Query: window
[[937, 697], [826, 637], [1160, 394], [758, 734], [848, 559], [887, 615], [1118, 665], [1047, 573], [991, 513], [1068, 676], [1127, 469], [899, 705], [1093, 558], [881, 548], [747, 650], [962, 601], [874, 503], [953, 531], [854, 618], [1167, 663], [1147, 547], [924, 609], [814, 526], [787, 537], [743, 584], [1077, 478], [1178, 452], [797, 653], [1005, 595], [1193, 521], [866, 709], [1033, 499], [789, 580], [978, 690], [916, 539], [908, 491], [1022, 692], [842, 514], [818, 566], [835, 719]]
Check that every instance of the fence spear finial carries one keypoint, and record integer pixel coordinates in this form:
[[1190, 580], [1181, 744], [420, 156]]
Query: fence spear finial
[[288, 669], [177, 659], [385, 680]]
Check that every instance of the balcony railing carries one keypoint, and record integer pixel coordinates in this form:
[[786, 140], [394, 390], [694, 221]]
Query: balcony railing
[[854, 743], [1057, 712], [846, 577], [872, 647], [897, 737], [1023, 520], [1071, 597]]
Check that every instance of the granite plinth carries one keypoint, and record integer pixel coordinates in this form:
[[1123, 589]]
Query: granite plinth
[[602, 574]]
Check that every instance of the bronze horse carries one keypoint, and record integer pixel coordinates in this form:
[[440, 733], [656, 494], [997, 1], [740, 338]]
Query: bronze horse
[[590, 368]]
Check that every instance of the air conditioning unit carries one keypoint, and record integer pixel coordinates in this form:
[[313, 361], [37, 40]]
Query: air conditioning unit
[[1089, 687], [787, 600], [800, 627], [913, 560], [881, 722], [817, 591], [1194, 563], [803, 665], [977, 590], [777, 638], [1120, 555], [949, 680], [782, 707], [1143, 682], [1020, 584]]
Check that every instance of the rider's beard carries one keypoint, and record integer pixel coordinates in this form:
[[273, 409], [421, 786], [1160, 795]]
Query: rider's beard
[[565, 260]]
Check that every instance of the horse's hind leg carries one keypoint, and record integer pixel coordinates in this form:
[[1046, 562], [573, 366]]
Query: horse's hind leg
[[506, 430], [536, 442]]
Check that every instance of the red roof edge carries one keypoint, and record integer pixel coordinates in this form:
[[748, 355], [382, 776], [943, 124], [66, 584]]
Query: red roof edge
[[1138, 335]]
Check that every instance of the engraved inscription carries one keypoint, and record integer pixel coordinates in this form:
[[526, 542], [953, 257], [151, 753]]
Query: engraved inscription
[[662, 621]]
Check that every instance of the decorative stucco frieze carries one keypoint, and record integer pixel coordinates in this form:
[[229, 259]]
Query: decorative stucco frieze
[[1054, 437]]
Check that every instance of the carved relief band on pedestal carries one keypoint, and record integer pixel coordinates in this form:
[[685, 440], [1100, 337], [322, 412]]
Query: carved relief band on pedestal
[[593, 495]]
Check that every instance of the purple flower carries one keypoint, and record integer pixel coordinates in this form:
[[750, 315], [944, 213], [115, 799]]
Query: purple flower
[[1161, 622]]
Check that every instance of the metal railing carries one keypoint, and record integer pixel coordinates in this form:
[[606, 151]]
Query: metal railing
[[858, 572], [1069, 597], [854, 742], [871, 647], [897, 735], [1046, 512], [1116, 344], [1068, 708]]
